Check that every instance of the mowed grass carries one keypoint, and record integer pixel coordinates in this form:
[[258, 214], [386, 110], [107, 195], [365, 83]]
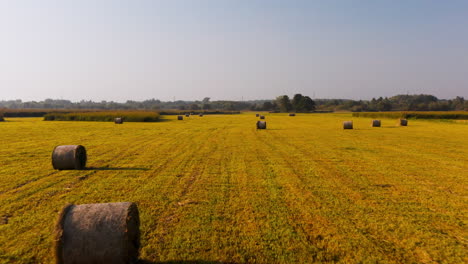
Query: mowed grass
[[214, 189]]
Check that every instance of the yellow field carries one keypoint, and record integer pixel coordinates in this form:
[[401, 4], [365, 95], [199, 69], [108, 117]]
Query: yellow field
[[214, 188]]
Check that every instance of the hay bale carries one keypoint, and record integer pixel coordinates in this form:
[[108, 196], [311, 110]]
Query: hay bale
[[257, 115], [69, 157], [261, 124], [348, 125], [262, 117], [292, 114], [98, 233], [200, 115], [403, 122], [2, 119], [118, 120], [187, 115], [180, 117], [375, 123]]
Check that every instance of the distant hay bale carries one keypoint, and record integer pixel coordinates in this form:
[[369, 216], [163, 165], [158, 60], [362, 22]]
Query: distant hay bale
[[262, 117], [292, 114], [261, 124], [98, 233], [200, 115], [348, 125], [375, 123], [180, 117], [69, 157], [118, 120], [187, 115], [2, 119], [257, 115], [403, 122]]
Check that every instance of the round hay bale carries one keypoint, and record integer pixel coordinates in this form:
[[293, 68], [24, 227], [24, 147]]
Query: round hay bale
[[257, 115], [98, 233], [262, 117], [292, 114], [69, 157], [187, 115], [375, 123], [2, 119], [261, 124], [201, 115], [118, 120], [348, 125], [180, 117], [403, 122]]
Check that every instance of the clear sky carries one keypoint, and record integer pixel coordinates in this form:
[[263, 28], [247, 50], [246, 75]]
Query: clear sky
[[251, 49]]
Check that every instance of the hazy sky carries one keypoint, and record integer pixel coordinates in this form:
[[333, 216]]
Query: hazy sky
[[251, 49]]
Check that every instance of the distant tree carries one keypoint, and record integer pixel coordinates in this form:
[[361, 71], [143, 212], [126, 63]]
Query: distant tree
[[284, 103], [206, 106], [268, 106], [206, 100], [194, 107], [307, 104]]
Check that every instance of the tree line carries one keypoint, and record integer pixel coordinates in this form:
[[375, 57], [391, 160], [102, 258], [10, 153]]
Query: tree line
[[283, 103]]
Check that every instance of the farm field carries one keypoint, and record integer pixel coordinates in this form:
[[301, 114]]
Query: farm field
[[214, 189]]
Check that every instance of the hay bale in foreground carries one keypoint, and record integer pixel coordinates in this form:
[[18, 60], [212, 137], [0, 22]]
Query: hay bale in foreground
[[261, 124], [292, 114], [403, 122], [262, 117], [98, 233], [348, 125], [375, 123], [180, 117], [69, 157], [118, 120]]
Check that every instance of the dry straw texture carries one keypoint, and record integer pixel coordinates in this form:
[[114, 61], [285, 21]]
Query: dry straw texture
[[98, 233], [69, 157]]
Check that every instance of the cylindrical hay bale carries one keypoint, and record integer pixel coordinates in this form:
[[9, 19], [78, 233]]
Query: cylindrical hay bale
[[118, 120], [98, 233], [375, 123], [2, 119], [261, 124], [403, 122], [180, 117], [69, 157], [201, 115], [292, 114], [262, 117], [187, 115], [348, 125], [257, 115]]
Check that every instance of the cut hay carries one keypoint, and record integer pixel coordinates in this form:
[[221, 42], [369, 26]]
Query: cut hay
[[348, 125], [292, 114], [257, 115], [262, 117], [261, 124], [98, 233], [403, 122], [118, 120], [200, 115], [375, 123], [69, 157], [180, 117]]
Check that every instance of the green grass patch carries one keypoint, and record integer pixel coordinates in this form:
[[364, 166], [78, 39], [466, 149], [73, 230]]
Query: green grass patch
[[461, 115], [128, 116]]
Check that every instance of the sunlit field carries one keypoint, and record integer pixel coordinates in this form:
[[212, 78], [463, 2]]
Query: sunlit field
[[214, 189]]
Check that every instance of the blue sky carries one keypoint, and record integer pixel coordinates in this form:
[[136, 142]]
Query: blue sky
[[135, 50]]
